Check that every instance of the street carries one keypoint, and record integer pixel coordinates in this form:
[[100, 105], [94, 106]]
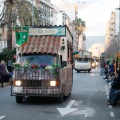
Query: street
[[87, 102]]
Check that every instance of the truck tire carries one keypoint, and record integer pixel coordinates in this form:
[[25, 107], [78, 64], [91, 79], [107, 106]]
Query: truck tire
[[77, 71], [19, 99], [88, 71], [60, 98]]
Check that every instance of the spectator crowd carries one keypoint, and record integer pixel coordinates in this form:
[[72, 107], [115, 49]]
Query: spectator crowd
[[112, 77]]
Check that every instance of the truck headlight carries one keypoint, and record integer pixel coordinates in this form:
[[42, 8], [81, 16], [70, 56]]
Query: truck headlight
[[53, 83], [93, 64], [18, 83], [96, 63]]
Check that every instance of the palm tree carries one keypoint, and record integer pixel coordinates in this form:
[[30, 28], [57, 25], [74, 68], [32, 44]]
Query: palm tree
[[78, 25], [21, 11]]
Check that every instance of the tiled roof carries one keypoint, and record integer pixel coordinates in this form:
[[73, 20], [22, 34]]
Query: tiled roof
[[41, 44]]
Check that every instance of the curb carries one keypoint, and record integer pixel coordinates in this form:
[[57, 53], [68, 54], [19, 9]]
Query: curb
[[5, 84]]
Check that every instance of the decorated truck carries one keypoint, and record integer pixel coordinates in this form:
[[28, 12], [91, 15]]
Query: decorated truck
[[43, 64], [82, 60]]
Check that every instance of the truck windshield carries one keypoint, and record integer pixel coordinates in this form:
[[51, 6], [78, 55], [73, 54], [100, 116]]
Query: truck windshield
[[83, 60], [38, 59]]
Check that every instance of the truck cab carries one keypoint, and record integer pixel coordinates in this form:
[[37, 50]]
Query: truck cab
[[82, 61]]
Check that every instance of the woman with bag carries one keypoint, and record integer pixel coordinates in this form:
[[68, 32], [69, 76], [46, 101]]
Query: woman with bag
[[2, 72]]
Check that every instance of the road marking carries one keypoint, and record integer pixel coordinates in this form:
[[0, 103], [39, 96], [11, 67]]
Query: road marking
[[67, 109], [107, 93], [110, 106], [88, 112], [112, 114], [106, 86], [1, 117], [94, 74], [70, 104]]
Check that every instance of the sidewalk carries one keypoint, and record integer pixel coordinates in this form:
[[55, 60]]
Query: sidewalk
[[5, 84]]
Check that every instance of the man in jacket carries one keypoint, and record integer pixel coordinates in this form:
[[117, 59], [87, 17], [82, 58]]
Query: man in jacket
[[102, 66]]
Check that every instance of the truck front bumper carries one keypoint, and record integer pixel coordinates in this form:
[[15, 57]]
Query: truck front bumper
[[25, 91]]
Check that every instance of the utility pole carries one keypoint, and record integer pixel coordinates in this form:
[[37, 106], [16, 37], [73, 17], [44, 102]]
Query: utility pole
[[32, 14]]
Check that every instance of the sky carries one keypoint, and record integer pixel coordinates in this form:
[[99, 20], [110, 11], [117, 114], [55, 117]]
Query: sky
[[96, 13]]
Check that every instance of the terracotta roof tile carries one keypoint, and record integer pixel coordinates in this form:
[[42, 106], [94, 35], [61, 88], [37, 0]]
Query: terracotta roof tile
[[42, 44]]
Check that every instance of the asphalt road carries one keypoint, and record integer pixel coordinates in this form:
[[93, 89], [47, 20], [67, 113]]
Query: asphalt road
[[87, 102]]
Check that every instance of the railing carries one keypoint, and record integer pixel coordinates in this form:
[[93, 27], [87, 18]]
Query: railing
[[35, 74]]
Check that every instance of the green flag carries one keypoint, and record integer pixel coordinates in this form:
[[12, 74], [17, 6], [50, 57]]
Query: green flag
[[21, 34]]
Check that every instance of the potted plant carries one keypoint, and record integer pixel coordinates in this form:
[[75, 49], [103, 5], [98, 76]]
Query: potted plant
[[17, 66]]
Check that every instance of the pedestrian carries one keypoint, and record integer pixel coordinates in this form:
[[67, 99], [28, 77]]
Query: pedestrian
[[102, 66], [115, 86], [8, 75], [106, 71], [110, 75], [2, 72], [111, 69]]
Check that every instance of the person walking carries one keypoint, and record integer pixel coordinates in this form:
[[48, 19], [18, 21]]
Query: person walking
[[8, 75], [2, 72], [102, 66]]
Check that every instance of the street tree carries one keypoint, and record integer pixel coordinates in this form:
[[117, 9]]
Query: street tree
[[78, 25], [21, 11]]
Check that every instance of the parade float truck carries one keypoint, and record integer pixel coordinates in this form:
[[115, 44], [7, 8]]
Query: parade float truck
[[43, 65], [82, 61]]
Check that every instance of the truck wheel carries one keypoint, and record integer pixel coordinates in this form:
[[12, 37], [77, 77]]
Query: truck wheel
[[88, 71], [60, 99], [19, 99], [77, 71]]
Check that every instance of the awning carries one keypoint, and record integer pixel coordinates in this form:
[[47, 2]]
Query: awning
[[75, 52], [41, 44]]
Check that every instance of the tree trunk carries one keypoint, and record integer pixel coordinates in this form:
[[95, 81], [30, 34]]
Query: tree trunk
[[9, 36]]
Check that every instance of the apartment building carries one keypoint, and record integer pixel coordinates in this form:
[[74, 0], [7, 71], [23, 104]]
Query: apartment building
[[97, 49], [48, 15], [110, 30], [45, 10]]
